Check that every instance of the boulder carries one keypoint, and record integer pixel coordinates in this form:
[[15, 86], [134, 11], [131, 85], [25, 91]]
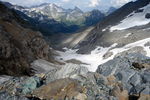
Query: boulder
[[4, 78], [147, 16], [107, 55], [6, 96], [60, 90], [133, 76], [21, 85], [147, 97], [140, 65], [67, 71], [71, 70], [29, 85], [42, 66], [138, 50]]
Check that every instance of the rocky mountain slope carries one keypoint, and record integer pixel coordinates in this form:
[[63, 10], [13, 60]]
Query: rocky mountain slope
[[111, 10], [118, 47], [115, 28], [112, 71], [19, 46], [68, 40], [126, 77]]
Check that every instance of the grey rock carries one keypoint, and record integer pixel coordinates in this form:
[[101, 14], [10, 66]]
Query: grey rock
[[29, 85], [147, 16], [133, 80], [147, 44], [21, 85], [50, 76], [71, 71], [137, 49], [6, 96], [96, 85], [145, 76], [68, 70], [119, 63], [114, 66], [42, 66], [124, 75], [107, 55], [4, 78], [146, 90]]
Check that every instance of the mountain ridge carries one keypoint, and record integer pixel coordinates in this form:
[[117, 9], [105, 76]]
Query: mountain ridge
[[99, 35]]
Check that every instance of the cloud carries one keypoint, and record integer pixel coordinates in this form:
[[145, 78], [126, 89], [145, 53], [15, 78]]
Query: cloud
[[118, 3], [94, 3], [66, 0], [83, 4], [26, 2]]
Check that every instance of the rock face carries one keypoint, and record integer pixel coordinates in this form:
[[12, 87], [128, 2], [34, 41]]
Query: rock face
[[132, 70], [18, 46], [59, 90], [75, 82], [103, 35], [42, 66], [6, 96], [69, 70], [147, 15]]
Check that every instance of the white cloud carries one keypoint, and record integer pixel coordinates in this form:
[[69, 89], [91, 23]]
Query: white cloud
[[118, 3], [94, 3], [26, 2], [66, 0], [83, 4]]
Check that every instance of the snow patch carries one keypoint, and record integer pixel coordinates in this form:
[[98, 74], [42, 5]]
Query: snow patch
[[127, 35], [146, 29], [104, 30], [95, 59], [134, 19]]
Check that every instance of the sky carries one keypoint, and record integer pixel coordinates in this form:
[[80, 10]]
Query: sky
[[85, 5]]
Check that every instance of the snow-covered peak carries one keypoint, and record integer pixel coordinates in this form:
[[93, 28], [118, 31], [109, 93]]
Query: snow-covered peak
[[136, 18], [47, 8]]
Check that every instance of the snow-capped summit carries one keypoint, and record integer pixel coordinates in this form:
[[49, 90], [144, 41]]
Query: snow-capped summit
[[51, 7], [48, 9], [55, 12], [69, 17]]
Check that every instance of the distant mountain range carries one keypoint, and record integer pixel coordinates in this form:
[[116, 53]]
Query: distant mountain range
[[55, 19]]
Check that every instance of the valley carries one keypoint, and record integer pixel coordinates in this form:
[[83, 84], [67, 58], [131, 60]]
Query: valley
[[48, 52]]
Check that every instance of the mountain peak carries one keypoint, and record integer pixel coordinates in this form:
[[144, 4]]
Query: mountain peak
[[44, 5], [111, 10], [77, 9], [52, 5]]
